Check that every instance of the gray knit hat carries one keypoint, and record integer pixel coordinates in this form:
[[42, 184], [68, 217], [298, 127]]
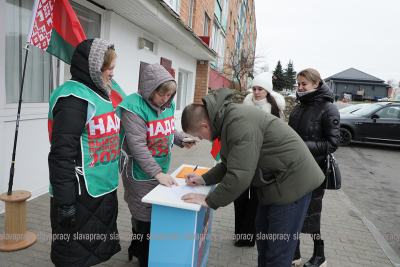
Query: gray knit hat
[[98, 52]]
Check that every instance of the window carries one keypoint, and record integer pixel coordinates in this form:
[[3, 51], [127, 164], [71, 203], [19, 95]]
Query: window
[[373, 88], [148, 45], [389, 112], [215, 36], [182, 90], [38, 76], [221, 50], [174, 4], [206, 25], [190, 18], [345, 87], [91, 24]]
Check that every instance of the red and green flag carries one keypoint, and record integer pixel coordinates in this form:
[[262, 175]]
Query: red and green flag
[[55, 28], [216, 149]]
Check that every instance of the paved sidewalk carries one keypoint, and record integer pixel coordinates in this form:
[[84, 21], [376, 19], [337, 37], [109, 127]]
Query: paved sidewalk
[[348, 241]]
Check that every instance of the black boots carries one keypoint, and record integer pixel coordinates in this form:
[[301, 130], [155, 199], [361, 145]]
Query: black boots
[[318, 258], [297, 257], [139, 249]]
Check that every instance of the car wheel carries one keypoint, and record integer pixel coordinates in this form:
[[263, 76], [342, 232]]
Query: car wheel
[[345, 137]]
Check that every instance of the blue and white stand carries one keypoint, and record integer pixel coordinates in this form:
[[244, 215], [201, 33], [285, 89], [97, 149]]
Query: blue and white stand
[[180, 232]]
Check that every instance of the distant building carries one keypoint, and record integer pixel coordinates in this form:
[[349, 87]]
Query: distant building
[[352, 80]]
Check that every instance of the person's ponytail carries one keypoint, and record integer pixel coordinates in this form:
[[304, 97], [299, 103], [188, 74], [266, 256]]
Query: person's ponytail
[[274, 109]]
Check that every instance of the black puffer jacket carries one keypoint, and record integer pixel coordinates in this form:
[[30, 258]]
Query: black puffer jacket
[[326, 130], [95, 216]]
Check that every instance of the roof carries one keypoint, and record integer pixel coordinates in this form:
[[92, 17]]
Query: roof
[[362, 83], [159, 20], [354, 74]]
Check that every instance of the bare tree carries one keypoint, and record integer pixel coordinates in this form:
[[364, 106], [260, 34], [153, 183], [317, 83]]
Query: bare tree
[[239, 67], [393, 83]]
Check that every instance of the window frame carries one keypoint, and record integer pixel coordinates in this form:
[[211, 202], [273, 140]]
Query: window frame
[[58, 68], [190, 16], [206, 26], [189, 92], [61, 67]]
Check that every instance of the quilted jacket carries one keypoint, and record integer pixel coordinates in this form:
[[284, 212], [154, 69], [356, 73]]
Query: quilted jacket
[[95, 216], [135, 144], [255, 143], [326, 130]]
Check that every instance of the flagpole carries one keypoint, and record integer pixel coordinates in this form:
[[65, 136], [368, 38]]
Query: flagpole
[[10, 182]]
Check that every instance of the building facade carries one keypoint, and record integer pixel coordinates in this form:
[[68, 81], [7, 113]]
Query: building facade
[[352, 81], [144, 32], [229, 28]]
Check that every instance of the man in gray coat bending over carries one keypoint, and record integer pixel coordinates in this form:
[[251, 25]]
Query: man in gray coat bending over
[[259, 149]]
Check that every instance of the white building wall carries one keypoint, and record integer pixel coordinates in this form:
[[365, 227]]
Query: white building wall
[[31, 168], [125, 36]]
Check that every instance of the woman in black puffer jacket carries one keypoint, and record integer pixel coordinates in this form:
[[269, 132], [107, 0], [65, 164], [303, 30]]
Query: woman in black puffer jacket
[[84, 203], [316, 119]]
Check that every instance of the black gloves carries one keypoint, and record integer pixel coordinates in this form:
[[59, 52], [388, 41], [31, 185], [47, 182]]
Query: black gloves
[[66, 215]]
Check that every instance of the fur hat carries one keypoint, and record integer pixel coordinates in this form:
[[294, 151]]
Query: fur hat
[[263, 80]]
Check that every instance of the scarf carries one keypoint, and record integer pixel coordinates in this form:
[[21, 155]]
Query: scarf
[[260, 103], [301, 94]]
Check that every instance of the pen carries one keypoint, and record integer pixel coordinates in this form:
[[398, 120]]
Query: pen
[[192, 173]]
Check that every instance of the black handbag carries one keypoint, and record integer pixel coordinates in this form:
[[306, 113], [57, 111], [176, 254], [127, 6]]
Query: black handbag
[[333, 178]]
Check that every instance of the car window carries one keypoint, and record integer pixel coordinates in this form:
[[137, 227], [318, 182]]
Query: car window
[[391, 112], [348, 109], [367, 110]]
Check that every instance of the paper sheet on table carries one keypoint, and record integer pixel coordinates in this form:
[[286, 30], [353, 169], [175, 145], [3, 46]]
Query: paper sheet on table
[[181, 190]]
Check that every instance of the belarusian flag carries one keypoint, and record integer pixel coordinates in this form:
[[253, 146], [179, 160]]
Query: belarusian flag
[[55, 28], [216, 149]]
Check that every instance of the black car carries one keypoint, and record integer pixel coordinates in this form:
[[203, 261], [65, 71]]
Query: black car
[[378, 122]]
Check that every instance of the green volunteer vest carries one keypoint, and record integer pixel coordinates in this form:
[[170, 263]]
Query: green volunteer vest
[[160, 132], [99, 140]]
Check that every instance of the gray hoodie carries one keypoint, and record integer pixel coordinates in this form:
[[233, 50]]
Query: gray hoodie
[[135, 143]]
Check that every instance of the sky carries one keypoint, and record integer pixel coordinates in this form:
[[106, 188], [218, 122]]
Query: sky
[[331, 35]]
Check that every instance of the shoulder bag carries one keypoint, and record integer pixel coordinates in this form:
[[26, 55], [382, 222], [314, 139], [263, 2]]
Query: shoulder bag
[[333, 178]]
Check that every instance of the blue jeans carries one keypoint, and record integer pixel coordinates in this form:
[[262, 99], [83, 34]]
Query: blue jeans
[[278, 229]]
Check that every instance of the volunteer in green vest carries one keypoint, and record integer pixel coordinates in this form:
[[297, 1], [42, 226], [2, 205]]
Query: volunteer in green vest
[[83, 159], [147, 136]]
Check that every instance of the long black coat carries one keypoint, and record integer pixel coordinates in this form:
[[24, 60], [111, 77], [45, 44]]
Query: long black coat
[[94, 215], [326, 130]]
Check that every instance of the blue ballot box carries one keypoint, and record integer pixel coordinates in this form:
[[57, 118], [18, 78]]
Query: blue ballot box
[[180, 232]]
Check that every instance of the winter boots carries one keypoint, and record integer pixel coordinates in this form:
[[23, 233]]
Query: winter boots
[[140, 250], [318, 258], [297, 257]]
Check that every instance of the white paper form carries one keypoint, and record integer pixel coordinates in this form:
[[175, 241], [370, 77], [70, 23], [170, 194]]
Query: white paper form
[[181, 190]]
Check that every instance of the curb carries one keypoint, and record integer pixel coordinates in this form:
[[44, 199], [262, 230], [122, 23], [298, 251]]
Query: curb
[[375, 232]]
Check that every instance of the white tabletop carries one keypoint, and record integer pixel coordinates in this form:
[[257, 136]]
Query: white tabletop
[[159, 195]]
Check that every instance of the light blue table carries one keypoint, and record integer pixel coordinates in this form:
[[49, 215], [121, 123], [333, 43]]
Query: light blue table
[[180, 232]]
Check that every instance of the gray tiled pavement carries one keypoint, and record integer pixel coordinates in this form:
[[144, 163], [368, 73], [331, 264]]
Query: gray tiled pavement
[[348, 240]]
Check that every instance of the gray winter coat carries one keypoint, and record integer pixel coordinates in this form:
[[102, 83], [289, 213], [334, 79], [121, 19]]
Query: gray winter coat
[[135, 144], [255, 144]]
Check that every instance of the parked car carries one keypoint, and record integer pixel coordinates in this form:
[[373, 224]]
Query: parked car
[[352, 108], [292, 94], [379, 122]]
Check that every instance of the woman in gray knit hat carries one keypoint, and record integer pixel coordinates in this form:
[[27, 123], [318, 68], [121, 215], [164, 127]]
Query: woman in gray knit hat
[[83, 131]]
